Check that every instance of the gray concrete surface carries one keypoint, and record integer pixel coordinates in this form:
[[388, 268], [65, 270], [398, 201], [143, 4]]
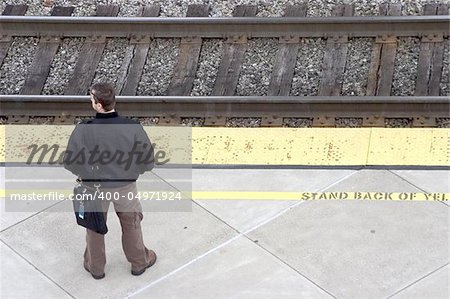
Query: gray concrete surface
[[21, 280], [244, 214], [435, 285], [237, 270], [249, 249]]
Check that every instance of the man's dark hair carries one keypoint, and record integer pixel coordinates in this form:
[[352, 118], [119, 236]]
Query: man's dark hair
[[104, 94]]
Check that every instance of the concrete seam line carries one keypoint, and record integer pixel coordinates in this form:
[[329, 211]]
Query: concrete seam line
[[183, 266], [419, 279], [37, 269], [231, 240]]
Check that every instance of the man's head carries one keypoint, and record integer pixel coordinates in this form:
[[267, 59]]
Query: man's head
[[103, 97]]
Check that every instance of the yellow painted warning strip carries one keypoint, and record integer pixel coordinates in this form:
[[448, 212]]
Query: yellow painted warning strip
[[55, 195], [280, 146], [262, 146], [414, 146], [250, 195]]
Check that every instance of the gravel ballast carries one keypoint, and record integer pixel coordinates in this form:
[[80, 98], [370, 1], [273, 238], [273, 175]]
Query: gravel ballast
[[159, 67], [308, 68], [208, 66], [257, 67], [445, 79], [443, 122], [398, 122], [112, 58], [42, 120], [357, 67], [258, 60], [405, 67], [63, 66], [178, 8], [16, 63], [243, 122], [147, 121], [348, 122], [293, 122], [193, 121], [259, 57]]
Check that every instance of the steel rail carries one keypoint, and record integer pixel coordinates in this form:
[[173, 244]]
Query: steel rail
[[237, 99], [225, 26], [175, 107]]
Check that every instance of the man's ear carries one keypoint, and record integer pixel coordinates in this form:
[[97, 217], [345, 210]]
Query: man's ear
[[99, 107]]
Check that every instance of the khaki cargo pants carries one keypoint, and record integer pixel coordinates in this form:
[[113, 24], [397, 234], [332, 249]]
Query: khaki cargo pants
[[130, 216]]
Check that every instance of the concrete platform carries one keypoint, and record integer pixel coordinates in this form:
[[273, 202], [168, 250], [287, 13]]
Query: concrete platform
[[245, 214], [353, 249], [21, 280], [251, 249]]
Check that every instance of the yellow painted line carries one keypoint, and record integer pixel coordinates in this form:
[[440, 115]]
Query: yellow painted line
[[251, 195], [262, 146], [58, 194]]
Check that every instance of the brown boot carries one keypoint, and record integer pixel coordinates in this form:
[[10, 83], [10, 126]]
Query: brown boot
[[152, 260], [93, 275]]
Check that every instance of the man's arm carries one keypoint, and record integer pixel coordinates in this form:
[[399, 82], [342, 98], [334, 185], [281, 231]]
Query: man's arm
[[75, 156], [144, 145]]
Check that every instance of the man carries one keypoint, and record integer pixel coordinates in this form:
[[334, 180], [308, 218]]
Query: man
[[109, 152]]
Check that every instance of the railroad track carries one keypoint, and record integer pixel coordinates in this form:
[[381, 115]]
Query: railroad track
[[426, 108]]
